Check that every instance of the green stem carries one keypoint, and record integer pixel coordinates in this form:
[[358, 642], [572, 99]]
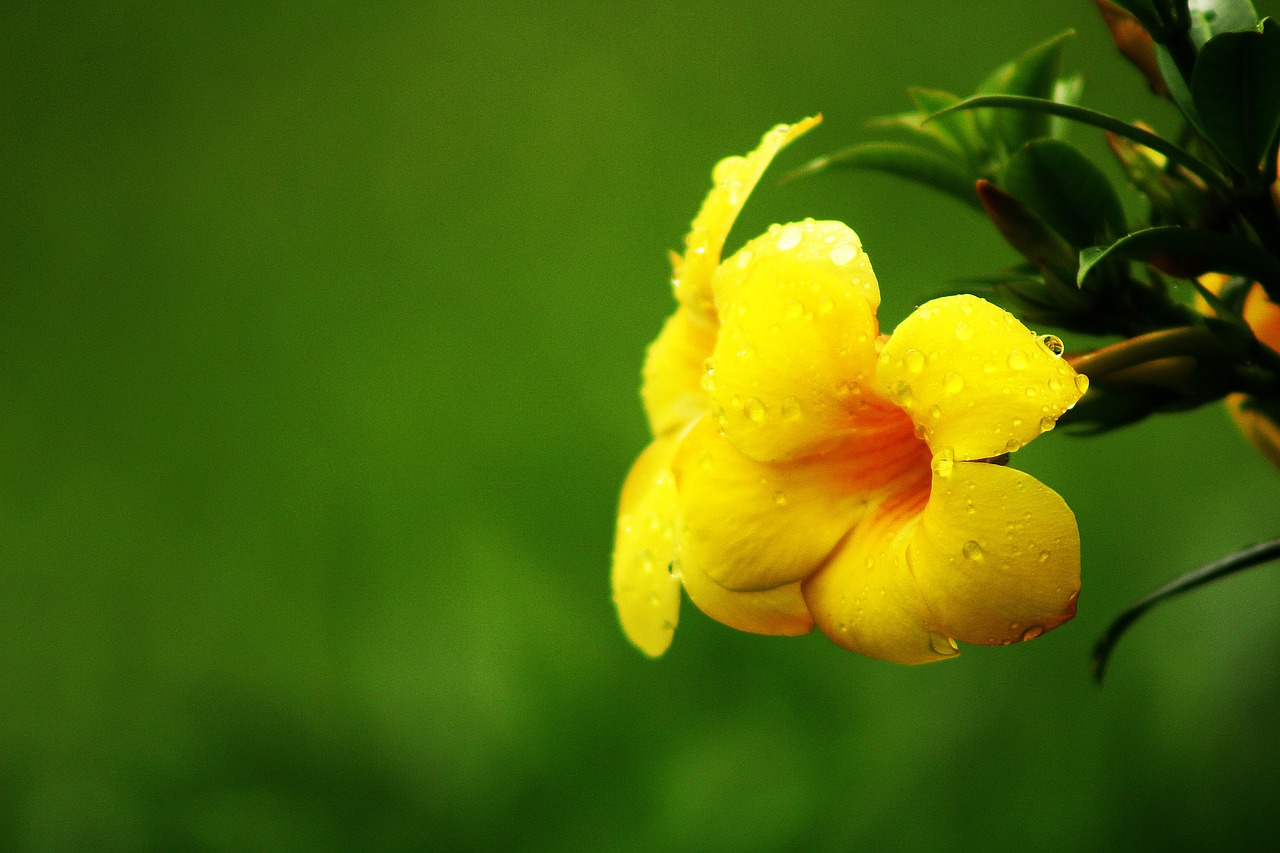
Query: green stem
[[1248, 558]]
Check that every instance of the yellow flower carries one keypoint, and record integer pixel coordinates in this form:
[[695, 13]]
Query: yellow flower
[[804, 470], [1255, 420]]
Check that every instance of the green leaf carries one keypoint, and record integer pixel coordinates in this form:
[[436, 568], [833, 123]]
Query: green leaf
[[1236, 90], [905, 161], [1067, 190], [959, 127], [1096, 119], [1212, 17], [913, 126], [1024, 229], [1248, 558], [1066, 91], [1188, 253], [1177, 86], [1032, 75]]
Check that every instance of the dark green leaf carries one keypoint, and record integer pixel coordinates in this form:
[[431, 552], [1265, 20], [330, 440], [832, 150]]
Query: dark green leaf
[[1188, 253], [1246, 559], [1086, 116], [1067, 190], [1236, 90], [924, 135], [1212, 17], [1023, 229], [1177, 86], [906, 161]]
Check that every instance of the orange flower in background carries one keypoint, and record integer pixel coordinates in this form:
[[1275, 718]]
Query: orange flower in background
[[805, 470], [1263, 316]]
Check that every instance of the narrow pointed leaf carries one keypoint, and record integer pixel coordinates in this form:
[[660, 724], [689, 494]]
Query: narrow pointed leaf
[[905, 161], [1066, 91], [1246, 559], [1023, 229], [1144, 11], [1236, 90], [1033, 75], [1179, 91], [961, 127], [1096, 119], [925, 135], [1068, 190], [1189, 253]]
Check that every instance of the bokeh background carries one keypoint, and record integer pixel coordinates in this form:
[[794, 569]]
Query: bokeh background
[[320, 336]]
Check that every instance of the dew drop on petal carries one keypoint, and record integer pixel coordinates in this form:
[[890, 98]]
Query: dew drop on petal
[[1018, 360], [1044, 556], [935, 412], [779, 498], [1082, 383], [754, 409], [913, 360], [791, 409], [1032, 632], [746, 349], [789, 237], [793, 309], [843, 253], [972, 550], [1053, 344], [943, 645], [953, 383], [964, 331], [727, 168], [825, 305], [944, 462], [1055, 384], [1047, 423], [1012, 444], [744, 259]]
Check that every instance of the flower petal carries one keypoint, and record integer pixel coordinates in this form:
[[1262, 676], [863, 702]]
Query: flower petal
[[794, 363], [733, 180], [781, 611], [996, 554], [1257, 423], [674, 372], [758, 525], [644, 590], [866, 598], [974, 379]]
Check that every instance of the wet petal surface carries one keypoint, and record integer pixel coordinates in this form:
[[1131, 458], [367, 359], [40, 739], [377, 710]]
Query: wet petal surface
[[733, 180], [996, 554], [794, 362], [674, 391], [645, 592], [974, 379], [781, 611]]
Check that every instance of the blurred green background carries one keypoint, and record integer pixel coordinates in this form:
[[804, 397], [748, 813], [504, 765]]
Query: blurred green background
[[320, 336]]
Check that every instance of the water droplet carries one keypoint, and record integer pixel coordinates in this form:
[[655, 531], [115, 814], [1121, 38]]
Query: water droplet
[[935, 412], [754, 409], [1082, 383], [953, 383], [1018, 360], [1011, 445], [793, 309], [1047, 423], [902, 395], [964, 331], [943, 645], [727, 168], [744, 259], [1044, 556], [645, 556], [971, 550], [843, 253], [1055, 384], [1053, 344], [1032, 632], [825, 305], [789, 237], [746, 349], [913, 360], [944, 462], [791, 409], [779, 498]]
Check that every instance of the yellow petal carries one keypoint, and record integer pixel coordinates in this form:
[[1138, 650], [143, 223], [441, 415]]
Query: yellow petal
[[866, 598], [733, 180], [794, 362], [758, 525], [974, 379], [674, 370], [644, 590], [996, 554], [780, 611], [1263, 316]]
